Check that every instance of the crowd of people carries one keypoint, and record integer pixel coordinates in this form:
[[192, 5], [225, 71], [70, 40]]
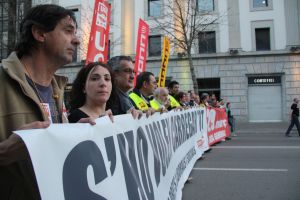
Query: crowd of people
[[32, 95]]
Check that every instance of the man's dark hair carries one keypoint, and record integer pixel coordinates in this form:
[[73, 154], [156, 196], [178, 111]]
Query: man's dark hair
[[295, 99], [204, 96], [172, 83], [141, 78], [227, 104], [44, 17], [114, 62]]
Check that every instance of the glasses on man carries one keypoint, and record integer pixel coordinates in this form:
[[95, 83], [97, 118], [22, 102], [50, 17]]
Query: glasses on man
[[127, 71]]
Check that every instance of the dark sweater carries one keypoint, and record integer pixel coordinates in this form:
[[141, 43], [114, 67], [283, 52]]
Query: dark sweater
[[295, 109], [76, 115]]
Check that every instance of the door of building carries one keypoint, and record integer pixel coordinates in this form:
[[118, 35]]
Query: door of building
[[265, 103]]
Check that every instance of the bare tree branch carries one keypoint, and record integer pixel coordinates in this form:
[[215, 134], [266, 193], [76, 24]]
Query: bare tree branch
[[182, 22]]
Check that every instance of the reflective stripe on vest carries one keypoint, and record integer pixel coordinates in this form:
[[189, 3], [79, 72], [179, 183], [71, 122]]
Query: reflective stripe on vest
[[139, 102], [174, 102]]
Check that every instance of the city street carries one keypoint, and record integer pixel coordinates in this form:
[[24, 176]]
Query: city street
[[260, 163]]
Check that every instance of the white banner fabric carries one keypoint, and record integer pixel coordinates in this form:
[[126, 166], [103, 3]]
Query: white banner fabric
[[150, 158]]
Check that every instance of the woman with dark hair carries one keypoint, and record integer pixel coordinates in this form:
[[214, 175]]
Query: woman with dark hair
[[182, 98], [91, 90]]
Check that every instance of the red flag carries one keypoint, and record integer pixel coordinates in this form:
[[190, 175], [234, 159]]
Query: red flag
[[141, 48], [98, 44]]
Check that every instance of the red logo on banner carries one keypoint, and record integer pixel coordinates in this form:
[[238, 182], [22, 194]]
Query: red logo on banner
[[98, 44], [141, 47]]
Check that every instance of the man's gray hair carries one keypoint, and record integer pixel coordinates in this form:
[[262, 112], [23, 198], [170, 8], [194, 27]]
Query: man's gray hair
[[158, 90]]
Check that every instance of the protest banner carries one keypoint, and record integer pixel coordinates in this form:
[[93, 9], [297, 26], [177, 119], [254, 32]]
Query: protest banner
[[150, 158], [164, 63], [141, 48], [217, 125], [98, 43]]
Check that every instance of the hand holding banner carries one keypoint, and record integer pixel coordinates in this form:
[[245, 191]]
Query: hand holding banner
[[98, 44]]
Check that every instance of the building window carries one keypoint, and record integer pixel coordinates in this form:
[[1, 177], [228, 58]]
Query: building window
[[260, 3], [205, 5], [262, 39], [210, 86], [257, 5], [4, 24], [154, 45], [11, 15], [74, 57], [207, 42], [154, 8], [67, 96]]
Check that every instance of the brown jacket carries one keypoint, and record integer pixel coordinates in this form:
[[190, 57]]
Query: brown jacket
[[19, 105]]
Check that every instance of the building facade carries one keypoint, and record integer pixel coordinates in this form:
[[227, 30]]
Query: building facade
[[250, 58]]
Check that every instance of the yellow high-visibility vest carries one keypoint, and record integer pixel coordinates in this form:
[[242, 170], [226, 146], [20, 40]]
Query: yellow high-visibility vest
[[174, 102], [155, 105], [138, 101]]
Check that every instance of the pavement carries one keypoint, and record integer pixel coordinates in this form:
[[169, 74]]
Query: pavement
[[270, 128], [259, 164]]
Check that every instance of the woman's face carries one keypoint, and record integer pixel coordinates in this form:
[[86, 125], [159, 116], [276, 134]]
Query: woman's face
[[98, 85], [184, 98]]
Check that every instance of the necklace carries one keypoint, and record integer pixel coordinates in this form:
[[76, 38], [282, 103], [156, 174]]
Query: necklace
[[45, 106]]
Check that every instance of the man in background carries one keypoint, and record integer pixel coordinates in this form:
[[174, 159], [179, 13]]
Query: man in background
[[173, 92], [161, 101], [294, 118], [142, 94]]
